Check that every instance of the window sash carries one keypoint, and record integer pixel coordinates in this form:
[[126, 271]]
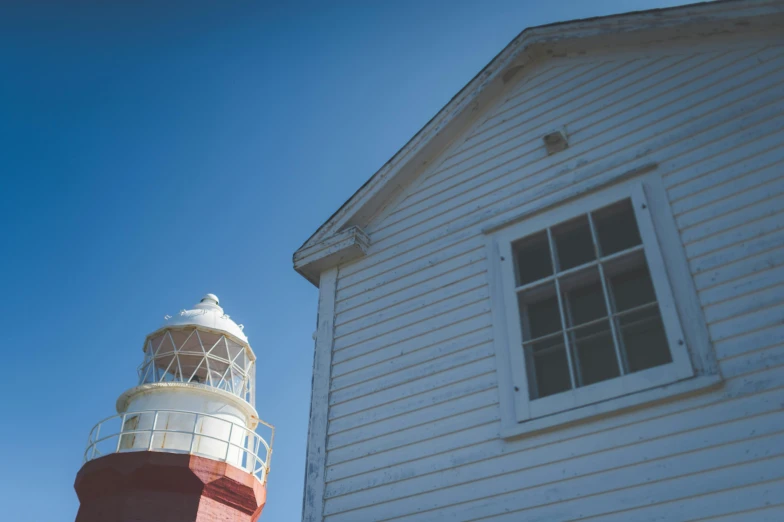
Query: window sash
[[680, 367]]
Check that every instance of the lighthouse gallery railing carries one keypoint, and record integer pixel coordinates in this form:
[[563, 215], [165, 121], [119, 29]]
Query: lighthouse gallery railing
[[244, 448]]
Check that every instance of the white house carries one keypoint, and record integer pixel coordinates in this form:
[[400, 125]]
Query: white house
[[564, 298]]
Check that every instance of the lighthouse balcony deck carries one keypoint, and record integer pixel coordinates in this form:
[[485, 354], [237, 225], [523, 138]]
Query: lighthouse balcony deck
[[218, 437]]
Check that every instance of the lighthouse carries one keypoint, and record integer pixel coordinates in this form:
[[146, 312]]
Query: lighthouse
[[186, 444]]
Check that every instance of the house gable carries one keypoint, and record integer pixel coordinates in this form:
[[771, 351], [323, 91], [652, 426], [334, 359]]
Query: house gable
[[514, 65]]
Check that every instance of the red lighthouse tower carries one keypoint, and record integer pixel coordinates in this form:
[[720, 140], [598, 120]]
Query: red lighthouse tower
[[186, 443]]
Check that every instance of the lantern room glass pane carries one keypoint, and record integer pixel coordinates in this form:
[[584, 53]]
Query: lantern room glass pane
[[198, 357], [209, 339], [180, 336], [220, 350], [189, 364], [241, 360], [155, 343], [166, 345], [234, 349], [187, 341]]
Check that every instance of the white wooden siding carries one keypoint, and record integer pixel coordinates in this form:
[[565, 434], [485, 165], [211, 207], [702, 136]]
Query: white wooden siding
[[413, 430]]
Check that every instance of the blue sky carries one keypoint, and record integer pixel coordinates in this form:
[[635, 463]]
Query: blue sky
[[151, 152]]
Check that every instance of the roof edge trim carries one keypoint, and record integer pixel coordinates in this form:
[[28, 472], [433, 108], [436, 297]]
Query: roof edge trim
[[344, 246]]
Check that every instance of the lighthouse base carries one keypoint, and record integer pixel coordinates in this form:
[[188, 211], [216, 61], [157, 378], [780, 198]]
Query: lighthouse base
[[150, 486]]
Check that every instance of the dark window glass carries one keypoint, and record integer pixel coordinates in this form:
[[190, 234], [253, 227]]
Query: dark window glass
[[616, 227], [632, 288], [543, 317], [532, 258], [595, 353], [551, 369], [573, 243], [584, 297], [643, 337]]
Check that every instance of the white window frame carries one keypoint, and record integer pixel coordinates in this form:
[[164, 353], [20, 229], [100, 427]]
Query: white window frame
[[693, 365]]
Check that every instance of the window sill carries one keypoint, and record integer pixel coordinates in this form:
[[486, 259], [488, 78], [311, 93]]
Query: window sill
[[611, 406]]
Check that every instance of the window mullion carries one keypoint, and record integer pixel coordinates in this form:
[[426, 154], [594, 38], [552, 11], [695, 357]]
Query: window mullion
[[554, 259], [607, 302]]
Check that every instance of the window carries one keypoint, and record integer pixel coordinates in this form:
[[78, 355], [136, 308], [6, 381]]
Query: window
[[587, 305], [584, 309]]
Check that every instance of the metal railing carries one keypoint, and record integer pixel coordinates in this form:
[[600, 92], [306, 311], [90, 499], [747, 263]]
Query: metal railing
[[244, 448]]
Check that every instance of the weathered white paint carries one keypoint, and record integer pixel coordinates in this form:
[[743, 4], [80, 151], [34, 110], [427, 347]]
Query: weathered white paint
[[414, 431], [313, 499], [340, 248]]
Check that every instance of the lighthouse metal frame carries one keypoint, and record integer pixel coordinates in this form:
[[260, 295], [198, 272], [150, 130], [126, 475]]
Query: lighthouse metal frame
[[200, 355]]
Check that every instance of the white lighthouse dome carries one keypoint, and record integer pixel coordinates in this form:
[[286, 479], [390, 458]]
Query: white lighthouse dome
[[207, 313]]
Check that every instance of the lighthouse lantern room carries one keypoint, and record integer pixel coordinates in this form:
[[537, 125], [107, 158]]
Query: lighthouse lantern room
[[191, 419]]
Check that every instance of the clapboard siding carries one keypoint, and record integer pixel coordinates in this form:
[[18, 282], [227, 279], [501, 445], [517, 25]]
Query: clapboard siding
[[707, 121], [449, 296], [476, 462], [451, 271], [720, 294], [656, 422], [744, 510], [449, 362], [410, 362], [414, 429], [739, 345], [745, 190], [636, 119], [581, 476], [409, 403], [582, 458], [459, 326]]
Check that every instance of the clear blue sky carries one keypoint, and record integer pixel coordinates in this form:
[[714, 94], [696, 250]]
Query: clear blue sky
[[151, 152]]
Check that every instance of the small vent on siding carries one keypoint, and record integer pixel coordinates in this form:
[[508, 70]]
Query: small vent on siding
[[555, 141]]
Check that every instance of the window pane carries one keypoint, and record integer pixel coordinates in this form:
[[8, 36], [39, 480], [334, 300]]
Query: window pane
[[632, 288], [551, 369], [616, 227], [573, 243], [540, 317], [644, 339], [532, 258], [595, 353], [584, 297]]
